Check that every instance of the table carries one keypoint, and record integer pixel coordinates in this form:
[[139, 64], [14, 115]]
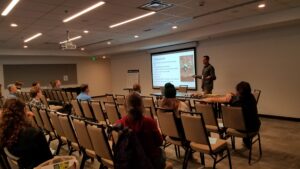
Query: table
[[178, 94]]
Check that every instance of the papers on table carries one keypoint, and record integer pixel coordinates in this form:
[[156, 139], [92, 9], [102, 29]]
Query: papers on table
[[212, 140]]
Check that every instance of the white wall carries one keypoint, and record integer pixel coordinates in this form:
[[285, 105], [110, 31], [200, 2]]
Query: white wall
[[97, 74], [268, 59]]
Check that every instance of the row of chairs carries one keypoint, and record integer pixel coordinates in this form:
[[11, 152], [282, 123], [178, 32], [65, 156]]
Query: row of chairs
[[59, 95]]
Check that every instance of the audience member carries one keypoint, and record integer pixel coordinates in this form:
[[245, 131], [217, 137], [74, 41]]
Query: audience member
[[36, 95], [146, 130], [12, 89], [36, 84], [84, 95], [18, 86], [136, 88], [56, 84], [20, 138]]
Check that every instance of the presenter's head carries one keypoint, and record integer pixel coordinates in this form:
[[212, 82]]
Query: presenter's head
[[136, 88], [206, 60], [170, 90]]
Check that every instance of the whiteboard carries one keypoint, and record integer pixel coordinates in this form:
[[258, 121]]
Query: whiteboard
[[132, 78]]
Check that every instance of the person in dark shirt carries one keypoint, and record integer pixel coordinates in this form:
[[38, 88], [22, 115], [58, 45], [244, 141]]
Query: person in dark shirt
[[20, 138], [245, 99], [208, 76], [146, 130]]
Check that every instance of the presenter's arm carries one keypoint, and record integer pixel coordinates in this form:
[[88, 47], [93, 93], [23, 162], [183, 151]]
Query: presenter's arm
[[212, 74], [197, 76]]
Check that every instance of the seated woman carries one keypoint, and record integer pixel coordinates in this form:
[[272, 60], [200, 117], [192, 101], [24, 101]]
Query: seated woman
[[36, 95], [146, 130], [20, 138]]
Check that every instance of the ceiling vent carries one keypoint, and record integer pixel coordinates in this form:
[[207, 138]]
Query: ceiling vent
[[156, 5]]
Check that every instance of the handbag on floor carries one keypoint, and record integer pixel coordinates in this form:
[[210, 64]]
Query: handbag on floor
[[60, 162]]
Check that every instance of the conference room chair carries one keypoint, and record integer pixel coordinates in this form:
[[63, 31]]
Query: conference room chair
[[233, 120], [148, 112], [109, 98], [98, 112], [171, 129], [68, 130], [122, 110], [45, 93], [37, 117], [200, 142], [49, 91], [48, 128], [65, 97], [100, 143], [55, 96], [76, 109], [112, 112], [59, 95], [159, 102], [183, 88], [210, 119], [50, 107], [61, 136], [187, 102], [149, 102], [256, 93], [69, 95], [86, 110], [120, 99], [83, 139], [74, 95], [12, 160]]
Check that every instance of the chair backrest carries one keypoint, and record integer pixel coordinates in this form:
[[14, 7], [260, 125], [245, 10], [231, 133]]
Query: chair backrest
[[37, 117], [86, 110], [233, 118], [112, 112], [148, 112], [191, 124], [44, 101], [100, 141], [67, 128], [65, 97], [207, 112], [46, 94], [110, 98], [98, 111], [187, 102], [122, 110], [74, 95], [56, 124], [167, 123], [120, 99], [82, 133], [70, 97], [47, 122], [51, 97], [76, 108], [55, 96], [256, 94], [149, 102], [159, 102], [59, 95], [183, 88]]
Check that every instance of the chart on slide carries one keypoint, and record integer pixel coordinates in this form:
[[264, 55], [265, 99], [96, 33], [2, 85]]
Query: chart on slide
[[176, 67]]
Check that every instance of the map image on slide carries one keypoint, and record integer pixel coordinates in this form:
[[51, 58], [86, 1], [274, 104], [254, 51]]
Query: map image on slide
[[187, 68]]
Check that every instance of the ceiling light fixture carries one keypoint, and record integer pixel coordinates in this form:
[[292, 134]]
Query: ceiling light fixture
[[82, 49], [174, 27], [85, 31], [109, 43], [13, 25], [84, 11], [71, 39], [25, 46], [32, 37], [9, 7], [132, 19], [136, 36], [103, 57], [261, 5]]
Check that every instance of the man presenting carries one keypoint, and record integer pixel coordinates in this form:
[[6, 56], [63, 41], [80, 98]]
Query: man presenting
[[208, 76]]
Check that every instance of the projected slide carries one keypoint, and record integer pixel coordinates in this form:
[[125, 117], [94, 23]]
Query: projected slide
[[176, 67]]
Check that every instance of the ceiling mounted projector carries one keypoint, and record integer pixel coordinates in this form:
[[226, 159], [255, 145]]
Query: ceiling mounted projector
[[156, 5]]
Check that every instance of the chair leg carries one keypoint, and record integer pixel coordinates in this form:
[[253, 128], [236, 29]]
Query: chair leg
[[175, 148], [250, 152], [186, 158], [215, 162], [202, 159], [229, 158], [84, 158], [233, 142], [178, 150], [259, 143], [58, 147]]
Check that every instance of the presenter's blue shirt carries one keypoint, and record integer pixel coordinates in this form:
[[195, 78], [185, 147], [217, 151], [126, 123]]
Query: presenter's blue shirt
[[84, 96]]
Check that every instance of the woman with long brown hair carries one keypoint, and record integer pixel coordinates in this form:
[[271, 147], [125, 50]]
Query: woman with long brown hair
[[20, 137]]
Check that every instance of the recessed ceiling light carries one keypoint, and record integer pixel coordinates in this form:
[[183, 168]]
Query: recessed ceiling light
[[132, 19], [9, 7], [71, 39], [32, 37], [84, 11], [85, 31], [136, 36], [82, 49], [261, 5], [13, 25], [109, 43], [174, 27], [25, 46], [103, 57]]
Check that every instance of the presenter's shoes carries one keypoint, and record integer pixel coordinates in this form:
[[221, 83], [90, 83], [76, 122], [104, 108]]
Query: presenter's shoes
[[247, 143]]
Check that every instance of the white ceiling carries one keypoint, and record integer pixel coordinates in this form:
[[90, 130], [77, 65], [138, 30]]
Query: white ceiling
[[46, 16]]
